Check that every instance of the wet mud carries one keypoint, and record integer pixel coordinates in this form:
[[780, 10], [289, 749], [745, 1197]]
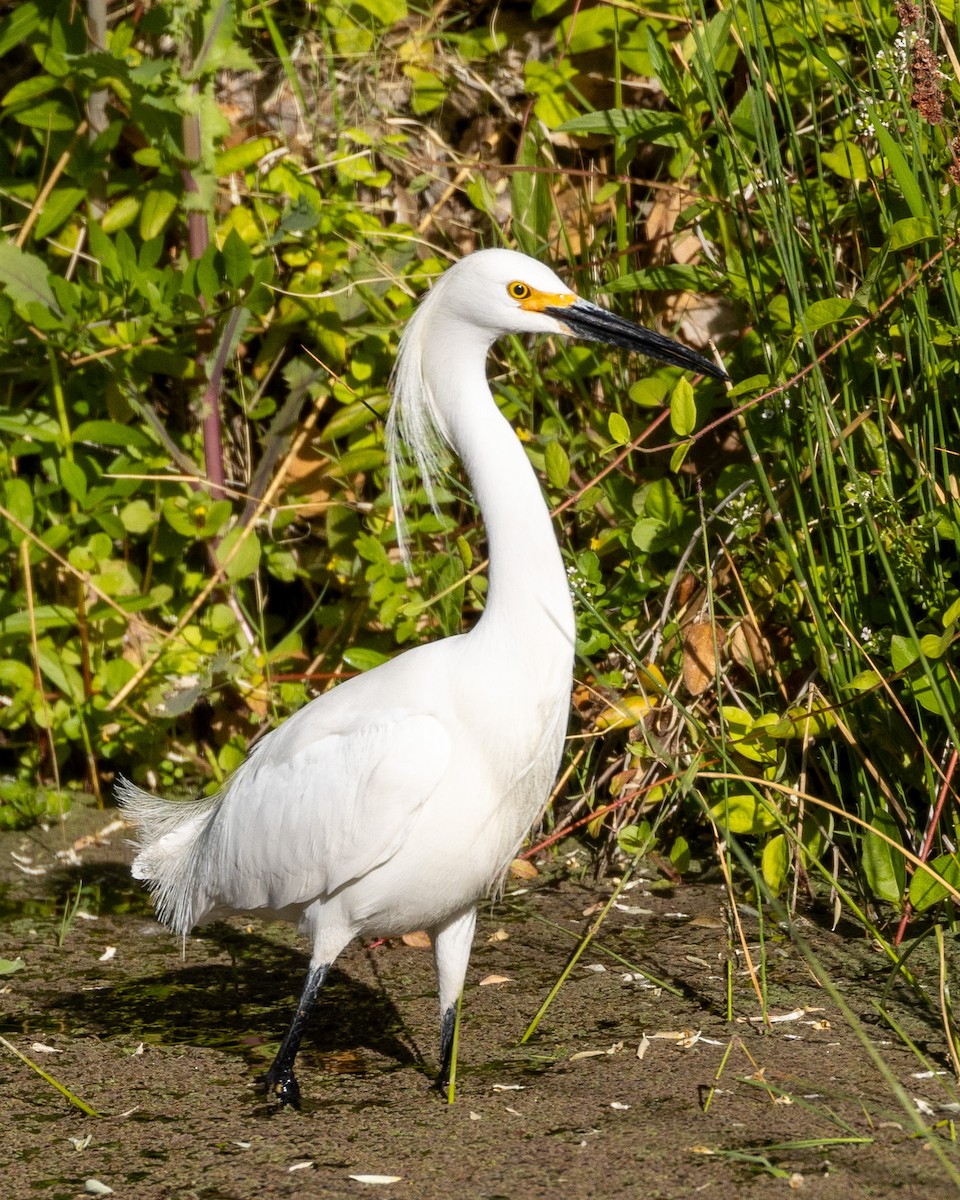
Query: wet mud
[[627, 1088]]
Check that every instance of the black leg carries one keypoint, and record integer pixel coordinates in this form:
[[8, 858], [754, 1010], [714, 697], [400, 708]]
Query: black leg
[[280, 1080], [448, 1022]]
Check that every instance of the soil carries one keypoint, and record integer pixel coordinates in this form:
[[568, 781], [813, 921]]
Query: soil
[[625, 1089]]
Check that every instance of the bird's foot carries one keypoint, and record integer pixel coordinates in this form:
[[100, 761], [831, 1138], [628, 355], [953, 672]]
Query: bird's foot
[[281, 1084]]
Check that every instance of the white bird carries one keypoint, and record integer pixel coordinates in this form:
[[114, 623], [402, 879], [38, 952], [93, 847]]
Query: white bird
[[397, 800]]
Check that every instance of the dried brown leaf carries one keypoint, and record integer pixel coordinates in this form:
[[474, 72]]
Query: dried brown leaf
[[418, 940], [702, 642]]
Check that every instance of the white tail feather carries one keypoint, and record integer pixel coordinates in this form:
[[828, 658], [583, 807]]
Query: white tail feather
[[170, 842]]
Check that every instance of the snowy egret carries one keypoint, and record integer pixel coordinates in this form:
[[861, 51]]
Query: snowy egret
[[397, 800]]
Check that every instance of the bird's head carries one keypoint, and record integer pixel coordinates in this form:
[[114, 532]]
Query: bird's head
[[441, 358], [496, 292]]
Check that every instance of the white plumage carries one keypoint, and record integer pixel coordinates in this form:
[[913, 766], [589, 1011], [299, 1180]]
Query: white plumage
[[397, 800]]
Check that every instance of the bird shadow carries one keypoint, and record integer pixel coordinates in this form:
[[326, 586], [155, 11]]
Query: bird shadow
[[240, 1001]]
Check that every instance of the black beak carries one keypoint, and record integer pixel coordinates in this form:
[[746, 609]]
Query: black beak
[[595, 324]]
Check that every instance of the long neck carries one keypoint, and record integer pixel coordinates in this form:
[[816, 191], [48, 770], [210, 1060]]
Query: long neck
[[528, 596]]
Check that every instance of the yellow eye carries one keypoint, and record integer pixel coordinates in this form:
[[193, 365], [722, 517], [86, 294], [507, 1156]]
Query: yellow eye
[[518, 290]]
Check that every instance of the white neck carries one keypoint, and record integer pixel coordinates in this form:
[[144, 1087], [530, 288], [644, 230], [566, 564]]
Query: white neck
[[528, 597]]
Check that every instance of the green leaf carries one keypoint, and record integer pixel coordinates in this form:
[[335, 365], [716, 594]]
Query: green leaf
[[74, 480], [237, 259], [49, 116], [18, 500], [58, 208], [909, 231], [618, 428], [636, 839], [157, 208], [363, 658], [247, 558], [247, 154], [119, 215], [9, 965], [952, 614], [645, 125], [744, 813], [557, 464], [828, 312], [25, 277], [15, 30], [645, 533], [661, 502], [679, 454], [669, 277], [775, 863], [30, 89], [137, 516], [531, 200], [680, 854], [902, 172], [64, 677], [904, 652], [926, 891], [882, 864], [683, 408], [111, 433]]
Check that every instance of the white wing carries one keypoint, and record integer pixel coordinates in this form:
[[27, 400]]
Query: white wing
[[307, 814]]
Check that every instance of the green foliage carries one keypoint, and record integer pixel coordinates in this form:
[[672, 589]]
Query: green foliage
[[178, 240]]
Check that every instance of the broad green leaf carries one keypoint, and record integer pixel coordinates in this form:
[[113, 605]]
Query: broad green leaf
[[744, 813], [25, 277], [926, 891], [938, 693], [882, 864], [18, 500], [645, 533], [58, 208], [114, 674], [952, 614], [661, 502], [49, 116], [46, 616], [247, 154], [29, 89], [64, 677], [364, 658], [909, 231], [683, 408], [74, 480], [138, 516], [157, 208], [111, 433], [237, 259], [849, 161], [679, 454], [904, 652], [246, 559], [9, 965], [16, 28], [531, 200], [636, 839], [671, 277], [557, 464], [680, 854], [618, 428], [828, 312], [775, 863]]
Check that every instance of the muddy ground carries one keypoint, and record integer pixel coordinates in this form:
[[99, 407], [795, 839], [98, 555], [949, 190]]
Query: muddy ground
[[166, 1050]]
